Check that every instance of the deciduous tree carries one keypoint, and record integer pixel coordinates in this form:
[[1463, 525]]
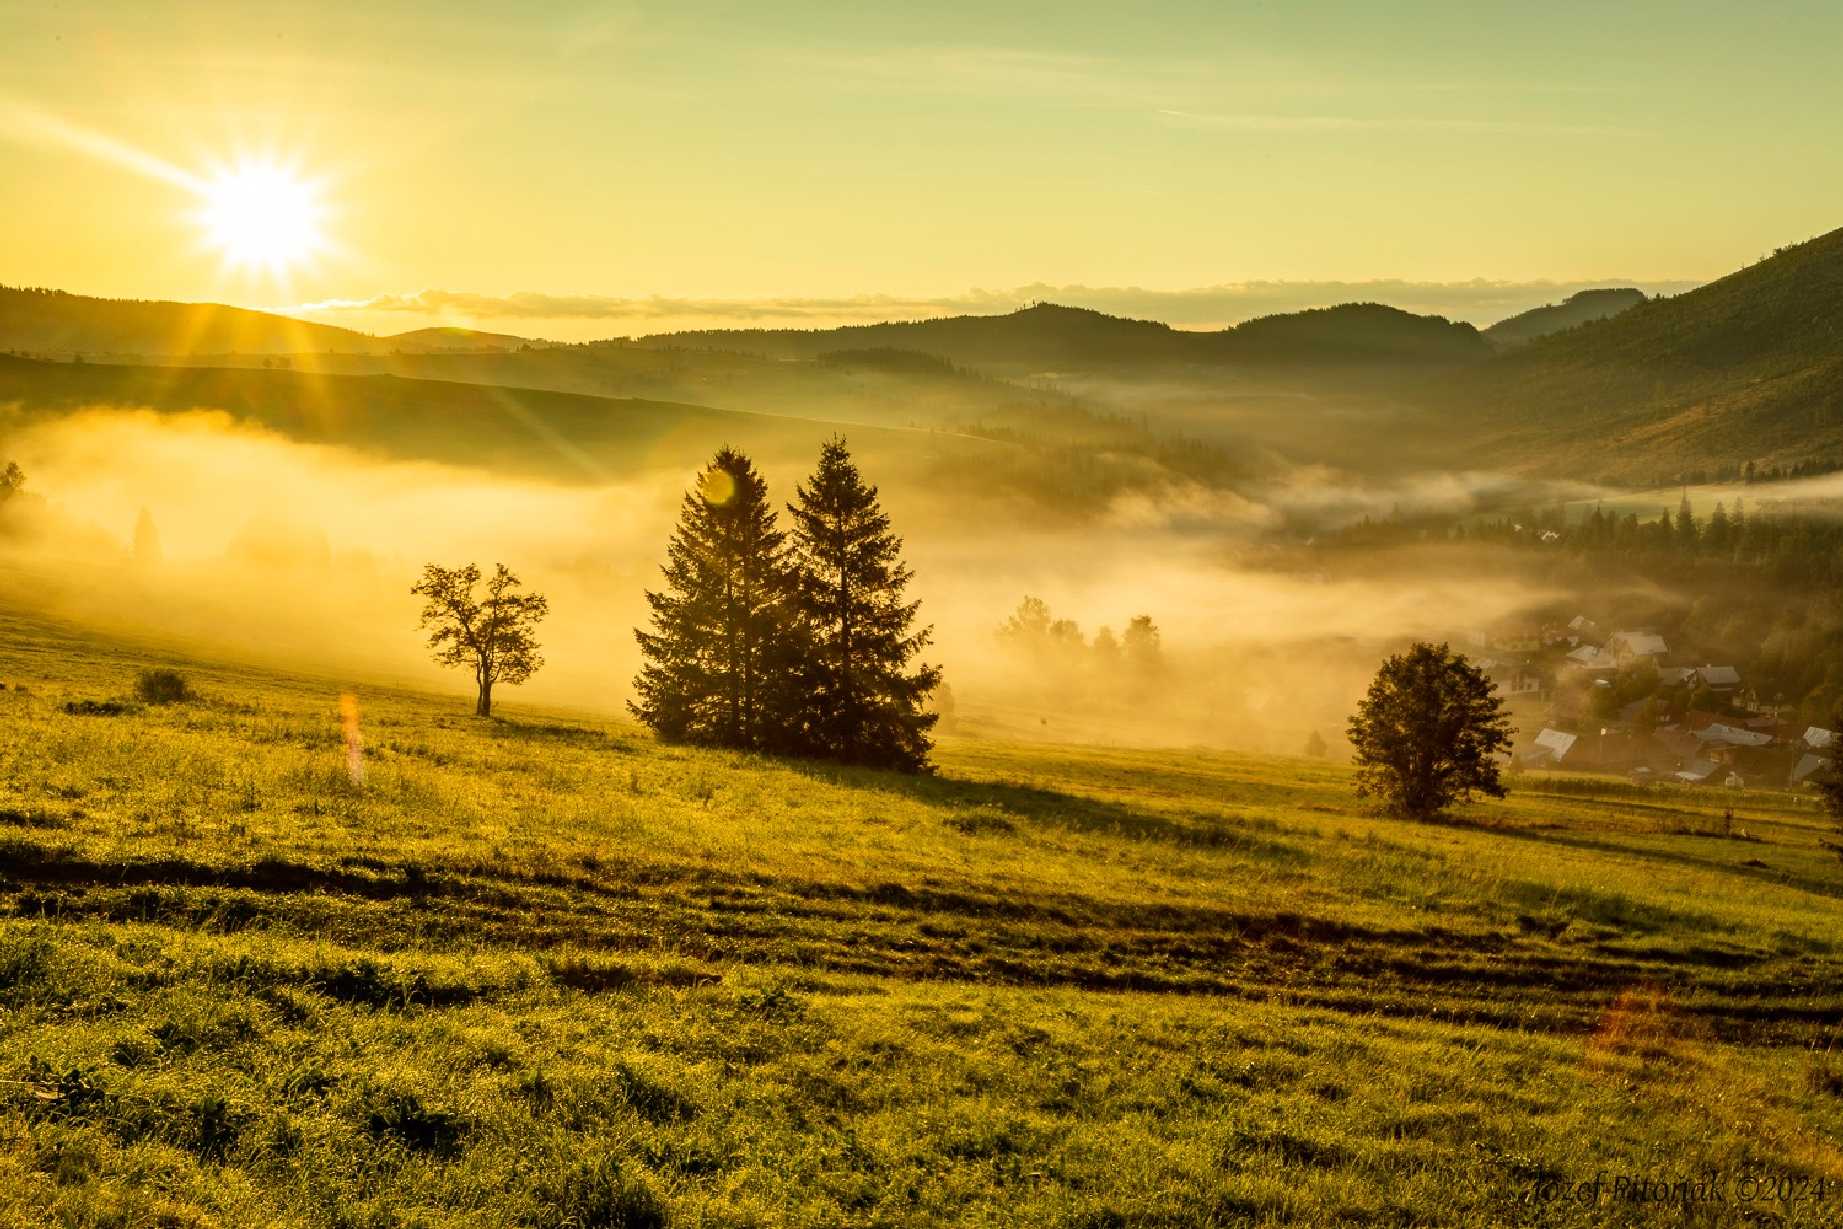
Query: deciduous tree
[[1430, 731], [491, 634]]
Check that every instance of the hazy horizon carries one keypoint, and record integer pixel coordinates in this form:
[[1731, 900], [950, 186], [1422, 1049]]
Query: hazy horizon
[[1207, 167]]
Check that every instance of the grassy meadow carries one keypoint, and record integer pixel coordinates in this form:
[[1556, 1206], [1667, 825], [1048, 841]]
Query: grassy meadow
[[542, 971]]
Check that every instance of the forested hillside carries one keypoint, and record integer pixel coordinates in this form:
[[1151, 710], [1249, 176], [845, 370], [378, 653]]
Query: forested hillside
[[1051, 338], [1576, 309], [1748, 368]]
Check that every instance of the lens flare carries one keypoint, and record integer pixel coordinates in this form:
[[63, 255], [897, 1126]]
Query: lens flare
[[716, 486]]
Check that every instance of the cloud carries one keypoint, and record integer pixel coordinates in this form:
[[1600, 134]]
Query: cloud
[[1480, 301]]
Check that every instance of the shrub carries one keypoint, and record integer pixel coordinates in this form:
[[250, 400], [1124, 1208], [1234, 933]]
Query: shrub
[[100, 708], [163, 687]]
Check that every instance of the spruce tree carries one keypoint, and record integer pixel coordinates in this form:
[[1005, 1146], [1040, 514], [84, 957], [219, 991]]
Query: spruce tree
[[863, 699], [717, 662]]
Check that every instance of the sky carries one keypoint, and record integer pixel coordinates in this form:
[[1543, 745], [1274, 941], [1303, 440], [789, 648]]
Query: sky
[[593, 169]]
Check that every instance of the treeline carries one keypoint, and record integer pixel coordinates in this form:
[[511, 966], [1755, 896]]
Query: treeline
[[1037, 636], [1792, 544], [796, 641], [1759, 586], [1751, 473]]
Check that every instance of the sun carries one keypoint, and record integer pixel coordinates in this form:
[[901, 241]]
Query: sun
[[262, 215]]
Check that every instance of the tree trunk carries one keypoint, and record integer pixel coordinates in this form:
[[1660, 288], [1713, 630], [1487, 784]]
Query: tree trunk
[[484, 707]]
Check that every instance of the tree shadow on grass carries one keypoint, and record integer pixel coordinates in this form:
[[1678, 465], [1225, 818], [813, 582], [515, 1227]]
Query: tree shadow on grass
[[510, 729], [997, 807], [1689, 861]]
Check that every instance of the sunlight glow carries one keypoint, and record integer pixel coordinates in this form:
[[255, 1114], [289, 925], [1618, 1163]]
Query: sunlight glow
[[260, 215]]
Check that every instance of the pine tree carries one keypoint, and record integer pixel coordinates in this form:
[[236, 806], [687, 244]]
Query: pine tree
[[723, 644], [1687, 532], [864, 700], [1717, 532]]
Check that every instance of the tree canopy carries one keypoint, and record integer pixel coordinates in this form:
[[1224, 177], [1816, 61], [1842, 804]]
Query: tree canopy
[[801, 644], [722, 644], [1429, 732], [492, 634], [864, 704]]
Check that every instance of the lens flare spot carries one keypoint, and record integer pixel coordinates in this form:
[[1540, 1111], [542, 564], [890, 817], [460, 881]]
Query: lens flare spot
[[717, 486]]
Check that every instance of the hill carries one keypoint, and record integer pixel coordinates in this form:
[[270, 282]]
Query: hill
[[1052, 338], [1581, 308], [1044, 459], [543, 971], [447, 339], [874, 387], [1747, 368], [53, 322], [1355, 334], [1045, 336], [561, 436]]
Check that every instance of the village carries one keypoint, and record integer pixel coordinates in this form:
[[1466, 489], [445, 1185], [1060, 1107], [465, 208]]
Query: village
[[1620, 702]]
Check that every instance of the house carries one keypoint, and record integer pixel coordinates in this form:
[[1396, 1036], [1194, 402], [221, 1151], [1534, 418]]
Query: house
[[1552, 747], [1719, 679], [1697, 772], [1715, 734], [1513, 676], [1741, 750], [1591, 660], [1629, 647], [1807, 767], [1584, 628], [1677, 743], [1818, 738], [1675, 676]]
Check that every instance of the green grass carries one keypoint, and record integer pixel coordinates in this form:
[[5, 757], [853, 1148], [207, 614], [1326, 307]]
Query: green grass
[[542, 971]]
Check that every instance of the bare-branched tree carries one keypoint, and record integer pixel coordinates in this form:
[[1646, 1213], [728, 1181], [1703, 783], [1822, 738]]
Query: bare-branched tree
[[491, 634]]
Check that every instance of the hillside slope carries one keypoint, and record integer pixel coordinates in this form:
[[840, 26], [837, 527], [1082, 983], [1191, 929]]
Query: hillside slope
[[1749, 367], [544, 971], [1041, 463], [1576, 309], [1052, 338], [54, 322], [563, 436]]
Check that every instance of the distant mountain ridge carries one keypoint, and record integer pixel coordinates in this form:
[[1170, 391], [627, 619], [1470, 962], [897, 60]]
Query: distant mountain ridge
[[1049, 336], [1043, 337], [1581, 308]]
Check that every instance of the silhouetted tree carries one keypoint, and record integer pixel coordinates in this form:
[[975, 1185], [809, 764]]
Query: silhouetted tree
[[1315, 747], [1029, 624], [942, 704], [491, 634], [863, 702], [1429, 731], [12, 481], [720, 660], [1687, 532], [1717, 536], [1143, 645]]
